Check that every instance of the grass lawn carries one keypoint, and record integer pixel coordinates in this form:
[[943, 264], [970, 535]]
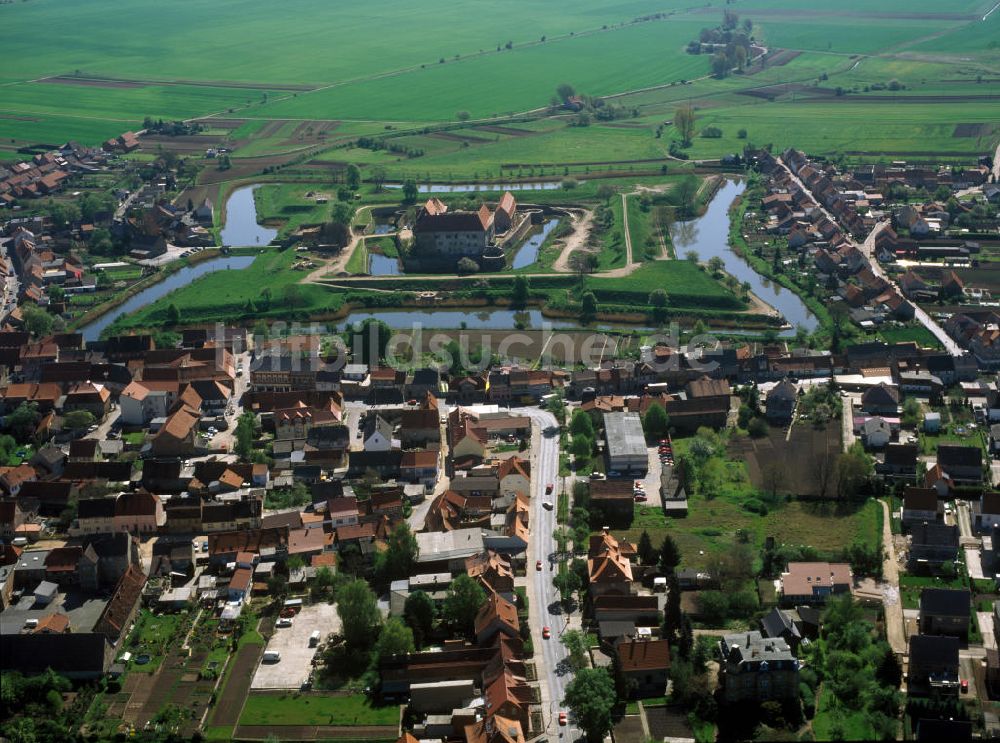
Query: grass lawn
[[135, 439], [315, 709], [916, 334], [830, 715], [910, 587], [686, 285], [952, 433], [19, 454], [223, 295]]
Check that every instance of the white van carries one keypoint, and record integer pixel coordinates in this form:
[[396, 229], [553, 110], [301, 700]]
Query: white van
[[271, 656], [314, 638]]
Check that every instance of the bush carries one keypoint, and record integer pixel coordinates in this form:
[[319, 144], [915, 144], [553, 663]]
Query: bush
[[755, 505], [757, 428], [711, 132]]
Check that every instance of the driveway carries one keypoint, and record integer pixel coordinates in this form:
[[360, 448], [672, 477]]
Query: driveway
[[293, 643], [651, 482]]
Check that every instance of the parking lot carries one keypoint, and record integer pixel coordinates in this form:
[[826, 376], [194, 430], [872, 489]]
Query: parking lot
[[293, 645], [651, 482]]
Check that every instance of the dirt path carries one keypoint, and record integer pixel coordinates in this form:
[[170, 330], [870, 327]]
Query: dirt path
[[625, 231], [895, 628], [577, 240]]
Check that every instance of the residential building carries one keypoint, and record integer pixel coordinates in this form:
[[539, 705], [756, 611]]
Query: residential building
[[646, 666], [753, 668], [920, 505], [814, 582], [945, 611], [933, 665]]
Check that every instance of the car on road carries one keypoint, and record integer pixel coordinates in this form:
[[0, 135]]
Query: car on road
[[284, 622], [546, 633], [547, 505], [92, 429], [204, 546], [549, 488], [538, 564], [563, 719], [597, 476], [965, 686]]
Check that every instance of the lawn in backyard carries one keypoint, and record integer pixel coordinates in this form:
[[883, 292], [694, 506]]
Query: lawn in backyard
[[316, 709]]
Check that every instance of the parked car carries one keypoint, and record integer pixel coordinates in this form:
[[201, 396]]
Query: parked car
[[563, 718], [549, 488], [547, 505], [640, 498], [284, 622]]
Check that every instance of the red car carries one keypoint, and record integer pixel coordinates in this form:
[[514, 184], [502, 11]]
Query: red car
[[640, 498], [965, 686], [546, 633], [538, 565], [562, 718], [549, 488]]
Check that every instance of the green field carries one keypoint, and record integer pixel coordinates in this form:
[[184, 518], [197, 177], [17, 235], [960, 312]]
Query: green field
[[315, 709], [685, 283], [398, 62]]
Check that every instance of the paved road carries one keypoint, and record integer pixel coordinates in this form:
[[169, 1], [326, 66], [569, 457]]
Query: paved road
[[550, 655], [868, 248]]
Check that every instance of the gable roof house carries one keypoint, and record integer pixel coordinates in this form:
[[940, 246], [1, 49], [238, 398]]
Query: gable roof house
[[882, 399], [496, 615], [780, 401], [933, 664], [646, 663], [813, 582], [963, 464], [609, 566], [945, 611], [920, 505]]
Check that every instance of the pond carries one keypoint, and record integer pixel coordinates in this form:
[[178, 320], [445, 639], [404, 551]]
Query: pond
[[528, 252], [183, 277], [471, 187], [240, 226], [708, 236]]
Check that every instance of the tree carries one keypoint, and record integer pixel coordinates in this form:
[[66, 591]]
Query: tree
[[565, 91], [519, 291], [655, 423], [370, 341], [685, 196], [394, 639], [581, 424], [888, 670], [397, 560], [23, 420], [462, 603], [353, 177], [588, 306], [670, 555], [582, 262], [715, 265], [581, 447], [672, 614], [658, 298], [37, 321], [418, 612], [173, 314], [567, 584], [378, 177], [359, 614], [591, 698], [854, 467], [911, 412], [684, 121], [575, 641], [246, 425], [410, 191], [647, 552], [466, 266], [78, 419], [463, 115]]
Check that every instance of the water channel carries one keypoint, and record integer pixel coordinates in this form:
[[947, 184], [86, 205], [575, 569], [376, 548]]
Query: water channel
[[528, 252], [708, 236], [240, 227], [183, 277]]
